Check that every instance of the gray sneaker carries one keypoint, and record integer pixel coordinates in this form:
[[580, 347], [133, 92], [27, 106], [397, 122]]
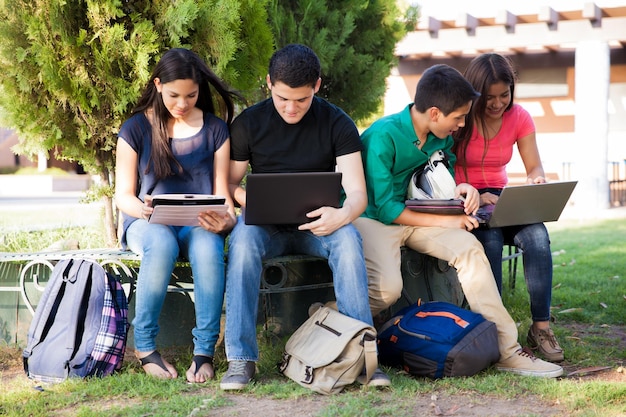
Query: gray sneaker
[[379, 379], [238, 375]]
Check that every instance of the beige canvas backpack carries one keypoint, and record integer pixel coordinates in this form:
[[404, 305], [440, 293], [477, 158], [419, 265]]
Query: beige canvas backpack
[[329, 351]]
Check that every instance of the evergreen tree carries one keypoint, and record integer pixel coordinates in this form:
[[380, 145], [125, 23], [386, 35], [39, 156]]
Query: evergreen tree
[[355, 41], [72, 70]]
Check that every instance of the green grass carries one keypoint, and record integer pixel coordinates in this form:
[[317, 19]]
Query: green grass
[[42, 239], [590, 273], [589, 303], [31, 228], [589, 281]]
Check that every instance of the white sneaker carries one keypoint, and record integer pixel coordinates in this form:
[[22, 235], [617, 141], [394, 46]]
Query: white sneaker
[[523, 362]]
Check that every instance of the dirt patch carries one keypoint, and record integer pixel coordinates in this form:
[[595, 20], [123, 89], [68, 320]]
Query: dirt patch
[[11, 364], [424, 405]]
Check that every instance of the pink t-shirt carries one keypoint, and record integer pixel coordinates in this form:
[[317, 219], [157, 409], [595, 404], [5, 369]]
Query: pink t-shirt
[[490, 172]]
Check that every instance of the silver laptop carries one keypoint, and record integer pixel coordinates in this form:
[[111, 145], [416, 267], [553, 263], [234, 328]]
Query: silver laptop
[[527, 204], [285, 198]]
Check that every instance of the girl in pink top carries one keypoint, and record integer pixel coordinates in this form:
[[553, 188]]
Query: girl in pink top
[[484, 147]]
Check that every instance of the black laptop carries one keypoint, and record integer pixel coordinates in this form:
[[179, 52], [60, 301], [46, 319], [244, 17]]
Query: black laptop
[[285, 198], [527, 204]]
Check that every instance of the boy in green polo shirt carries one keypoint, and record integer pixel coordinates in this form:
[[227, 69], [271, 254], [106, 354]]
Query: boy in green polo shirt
[[394, 147]]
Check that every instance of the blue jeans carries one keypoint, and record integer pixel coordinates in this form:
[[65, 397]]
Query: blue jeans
[[250, 245], [534, 241], [160, 247]]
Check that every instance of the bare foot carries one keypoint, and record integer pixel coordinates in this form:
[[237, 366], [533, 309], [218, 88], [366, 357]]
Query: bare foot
[[201, 369], [154, 365]]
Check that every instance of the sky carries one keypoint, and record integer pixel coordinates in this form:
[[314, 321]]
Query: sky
[[450, 9]]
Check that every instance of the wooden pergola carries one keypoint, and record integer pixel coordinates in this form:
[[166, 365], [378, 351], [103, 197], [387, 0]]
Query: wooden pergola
[[545, 32]]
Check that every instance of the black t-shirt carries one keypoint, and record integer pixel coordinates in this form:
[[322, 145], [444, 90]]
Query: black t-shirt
[[261, 136]]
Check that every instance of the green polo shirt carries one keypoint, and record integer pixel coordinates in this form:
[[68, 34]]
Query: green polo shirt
[[390, 156]]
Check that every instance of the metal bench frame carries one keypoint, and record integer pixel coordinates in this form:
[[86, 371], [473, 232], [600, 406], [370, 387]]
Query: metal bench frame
[[109, 258]]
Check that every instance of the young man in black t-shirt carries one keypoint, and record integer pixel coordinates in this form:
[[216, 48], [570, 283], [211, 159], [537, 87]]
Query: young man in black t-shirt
[[293, 131]]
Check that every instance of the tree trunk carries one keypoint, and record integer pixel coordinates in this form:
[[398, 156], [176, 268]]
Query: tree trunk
[[110, 228], [109, 222]]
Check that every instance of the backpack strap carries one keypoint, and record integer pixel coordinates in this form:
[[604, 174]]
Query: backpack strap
[[80, 278], [371, 355]]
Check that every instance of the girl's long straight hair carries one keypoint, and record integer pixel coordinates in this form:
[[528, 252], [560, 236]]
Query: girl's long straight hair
[[181, 64]]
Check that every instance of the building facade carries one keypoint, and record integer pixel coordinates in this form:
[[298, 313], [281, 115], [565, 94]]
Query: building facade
[[572, 79]]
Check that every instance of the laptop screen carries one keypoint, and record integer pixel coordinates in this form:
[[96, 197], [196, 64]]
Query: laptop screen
[[285, 198]]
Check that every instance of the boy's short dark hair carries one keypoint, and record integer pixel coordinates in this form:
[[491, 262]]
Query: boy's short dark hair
[[443, 87], [295, 65]]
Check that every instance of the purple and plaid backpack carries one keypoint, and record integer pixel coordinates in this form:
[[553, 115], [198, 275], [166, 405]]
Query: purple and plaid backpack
[[80, 325]]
